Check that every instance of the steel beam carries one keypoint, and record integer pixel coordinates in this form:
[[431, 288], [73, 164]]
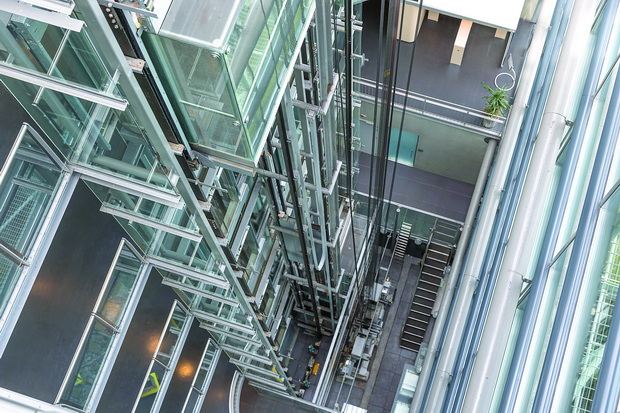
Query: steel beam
[[62, 86], [24, 9]]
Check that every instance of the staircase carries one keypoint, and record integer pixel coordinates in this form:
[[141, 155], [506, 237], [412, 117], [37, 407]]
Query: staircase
[[403, 239], [433, 267]]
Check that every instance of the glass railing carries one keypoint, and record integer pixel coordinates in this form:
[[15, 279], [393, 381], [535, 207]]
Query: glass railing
[[164, 360], [423, 224], [29, 181], [93, 360], [440, 110], [202, 379]]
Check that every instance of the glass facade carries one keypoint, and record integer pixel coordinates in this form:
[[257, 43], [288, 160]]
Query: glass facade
[[224, 81]]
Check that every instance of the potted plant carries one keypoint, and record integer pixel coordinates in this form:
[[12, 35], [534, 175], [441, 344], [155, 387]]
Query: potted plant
[[496, 104]]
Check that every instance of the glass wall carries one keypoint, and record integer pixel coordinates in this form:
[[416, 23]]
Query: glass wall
[[224, 84], [607, 291], [100, 343], [29, 180]]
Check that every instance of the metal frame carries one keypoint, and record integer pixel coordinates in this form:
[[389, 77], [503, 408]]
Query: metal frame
[[119, 331], [174, 358], [41, 244], [202, 392], [187, 272], [25, 8], [141, 190], [136, 217], [63, 86], [59, 6]]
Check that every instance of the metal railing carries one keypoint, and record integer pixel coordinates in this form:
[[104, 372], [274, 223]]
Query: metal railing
[[436, 109]]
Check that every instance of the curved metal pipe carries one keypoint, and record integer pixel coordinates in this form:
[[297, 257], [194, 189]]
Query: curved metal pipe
[[478, 363]]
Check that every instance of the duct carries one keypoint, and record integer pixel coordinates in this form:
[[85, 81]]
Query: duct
[[585, 234], [557, 212], [529, 215], [494, 193], [448, 290]]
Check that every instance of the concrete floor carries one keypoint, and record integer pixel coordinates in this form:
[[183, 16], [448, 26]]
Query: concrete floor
[[378, 392], [432, 73], [420, 189]]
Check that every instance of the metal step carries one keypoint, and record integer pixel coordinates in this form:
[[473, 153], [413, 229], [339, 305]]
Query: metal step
[[438, 255], [416, 323], [440, 247]]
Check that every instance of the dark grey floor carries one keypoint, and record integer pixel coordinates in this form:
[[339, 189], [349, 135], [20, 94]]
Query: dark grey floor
[[394, 357], [125, 382], [420, 189], [387, 365], [62, 298], [57, 310], [432, 73], [216, 400]]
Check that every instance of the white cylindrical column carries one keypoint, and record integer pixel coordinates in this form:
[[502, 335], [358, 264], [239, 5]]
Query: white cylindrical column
[[520, 249], [446, 360]]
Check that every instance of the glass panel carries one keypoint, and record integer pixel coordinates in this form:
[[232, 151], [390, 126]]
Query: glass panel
[[203, 95], [210, 22], [171, 336], [110, 313], [119, 287], [49, 49], [225, 202], [88, 366], [225, 82], [28, 184], [607, 238], [9, 274], [406, 388]]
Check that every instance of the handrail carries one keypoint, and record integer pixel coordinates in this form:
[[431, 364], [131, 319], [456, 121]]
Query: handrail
[[234, 394], [369, 89]]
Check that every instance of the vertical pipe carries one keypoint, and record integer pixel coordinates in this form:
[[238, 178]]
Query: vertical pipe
[[529, 215], [485, 220], [557, 212], [468, 225], [582, 243]]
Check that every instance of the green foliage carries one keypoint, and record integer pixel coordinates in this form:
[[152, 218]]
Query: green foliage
[[497, 101]]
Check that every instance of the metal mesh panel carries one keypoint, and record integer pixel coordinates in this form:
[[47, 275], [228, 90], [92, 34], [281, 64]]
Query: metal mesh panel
[[599, 329], [16, 218]]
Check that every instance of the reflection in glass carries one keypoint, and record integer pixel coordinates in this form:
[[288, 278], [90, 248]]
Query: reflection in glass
[[88, 366], [28, 183]]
